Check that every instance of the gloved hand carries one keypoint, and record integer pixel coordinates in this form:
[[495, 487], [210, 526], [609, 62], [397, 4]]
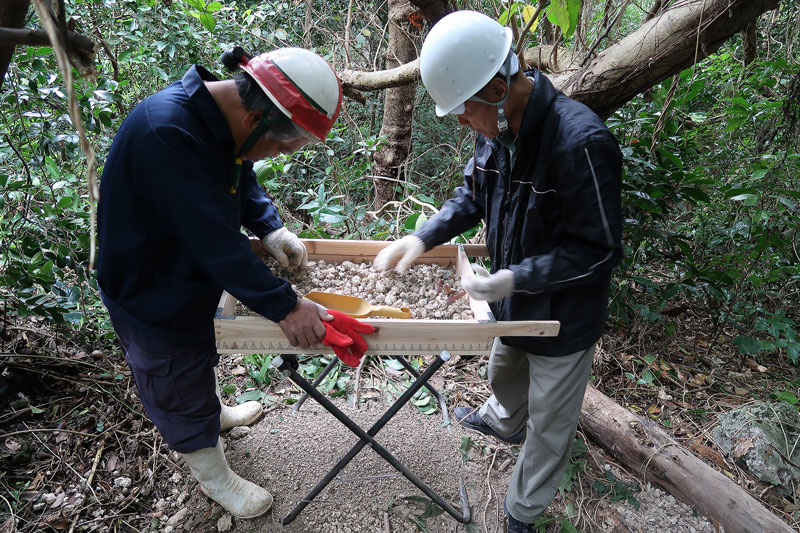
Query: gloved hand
[[337, 340], [286, 247], [400, 253], [351, 329], [489, 287]]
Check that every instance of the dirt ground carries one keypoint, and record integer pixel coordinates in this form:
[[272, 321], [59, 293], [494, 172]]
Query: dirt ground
[[290, 452]]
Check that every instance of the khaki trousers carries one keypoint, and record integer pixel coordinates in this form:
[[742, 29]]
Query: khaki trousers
[[546, 393]]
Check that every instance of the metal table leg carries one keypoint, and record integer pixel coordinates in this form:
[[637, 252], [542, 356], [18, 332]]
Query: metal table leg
[[367, 437]]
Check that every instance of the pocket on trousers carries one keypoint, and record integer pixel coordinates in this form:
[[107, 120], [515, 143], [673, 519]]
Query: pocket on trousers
[[152, 371], [155, 365]]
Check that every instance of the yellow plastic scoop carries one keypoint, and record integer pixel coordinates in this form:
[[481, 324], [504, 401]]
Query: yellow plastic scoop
[[356, 307]]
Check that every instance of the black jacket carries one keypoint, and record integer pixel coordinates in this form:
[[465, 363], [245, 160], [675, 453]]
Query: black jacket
[[555, 220]]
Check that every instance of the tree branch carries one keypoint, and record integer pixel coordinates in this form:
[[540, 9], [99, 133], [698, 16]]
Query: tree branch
[[76, 41], [383, 79], [661, 47]]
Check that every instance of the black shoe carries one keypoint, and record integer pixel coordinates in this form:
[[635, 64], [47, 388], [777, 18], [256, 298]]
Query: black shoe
[[515, 526], [470, 419]]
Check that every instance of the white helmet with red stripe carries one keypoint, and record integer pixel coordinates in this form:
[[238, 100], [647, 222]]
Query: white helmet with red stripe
[[301, 84]]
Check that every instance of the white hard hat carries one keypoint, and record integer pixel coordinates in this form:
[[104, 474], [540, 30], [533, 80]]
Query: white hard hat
[[461, 53], [301, 84]]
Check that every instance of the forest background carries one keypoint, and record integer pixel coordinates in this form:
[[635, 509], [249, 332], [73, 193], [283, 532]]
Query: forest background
[[708, 291]]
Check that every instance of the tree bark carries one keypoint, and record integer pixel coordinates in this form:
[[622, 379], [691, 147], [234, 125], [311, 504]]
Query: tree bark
[[398, 108], [750, 43], [433, 10], [40, 38], [672, 40], [80, 49], [657, 457], [551, 59], [661, 47], [12, 15]]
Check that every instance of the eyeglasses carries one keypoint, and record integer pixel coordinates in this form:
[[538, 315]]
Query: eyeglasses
[[461, 108], [292, 133]]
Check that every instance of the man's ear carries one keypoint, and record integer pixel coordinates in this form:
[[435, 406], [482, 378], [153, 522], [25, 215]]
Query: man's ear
[[497, 89], [251, 119]]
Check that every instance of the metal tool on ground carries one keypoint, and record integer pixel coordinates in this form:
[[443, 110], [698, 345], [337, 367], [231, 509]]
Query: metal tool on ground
[[355, 306], [368, 438]]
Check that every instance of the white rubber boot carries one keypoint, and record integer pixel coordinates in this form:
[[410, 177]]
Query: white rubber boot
[[238, 496], [241, 415]]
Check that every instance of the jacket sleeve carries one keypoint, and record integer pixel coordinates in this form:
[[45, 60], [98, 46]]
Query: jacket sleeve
[[259, 214], [200, 212], [457, 215], [588, 185]]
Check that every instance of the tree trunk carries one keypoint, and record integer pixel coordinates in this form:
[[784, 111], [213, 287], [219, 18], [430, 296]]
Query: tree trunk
[[398, 108], [750, 43], [661, 47], [12, 15], [655, 456]]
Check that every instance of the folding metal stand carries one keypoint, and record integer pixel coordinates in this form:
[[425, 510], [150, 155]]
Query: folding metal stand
[[368, 437], [400, 359]]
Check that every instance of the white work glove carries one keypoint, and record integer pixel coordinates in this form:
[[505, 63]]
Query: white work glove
[[286, 247], [489, 287], [400, 254]]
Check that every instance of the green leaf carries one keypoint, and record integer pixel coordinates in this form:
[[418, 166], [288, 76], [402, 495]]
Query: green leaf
[[568, 527], [559, 15], [466, 445], [786, 396], [394, 364], [793, 352], [422, 401], [213, 7], [208, 21], [421, 219], [747, 199], [748, 345], [253, 395], [199, 5]]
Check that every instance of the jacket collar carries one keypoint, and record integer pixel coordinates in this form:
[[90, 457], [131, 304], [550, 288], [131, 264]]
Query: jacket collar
[[542, 95], [207, 107]]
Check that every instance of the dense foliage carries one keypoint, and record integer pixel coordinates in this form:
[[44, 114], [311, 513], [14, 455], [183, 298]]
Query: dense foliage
[[710, 185]]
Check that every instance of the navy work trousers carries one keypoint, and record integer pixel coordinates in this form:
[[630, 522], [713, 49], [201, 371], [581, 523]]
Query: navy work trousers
[[176, 385]]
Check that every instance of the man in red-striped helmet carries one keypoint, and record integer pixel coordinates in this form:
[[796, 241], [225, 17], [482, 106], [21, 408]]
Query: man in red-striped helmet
[[177, 187]]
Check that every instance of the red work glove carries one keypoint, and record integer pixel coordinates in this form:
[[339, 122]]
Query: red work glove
[[336, 340], [352, 328]]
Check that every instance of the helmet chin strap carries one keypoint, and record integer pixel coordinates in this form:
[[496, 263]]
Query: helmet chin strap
[[260, 129], [506, 138]]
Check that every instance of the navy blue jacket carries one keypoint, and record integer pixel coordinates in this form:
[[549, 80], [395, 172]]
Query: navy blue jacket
[[554, 220], [170, 236]]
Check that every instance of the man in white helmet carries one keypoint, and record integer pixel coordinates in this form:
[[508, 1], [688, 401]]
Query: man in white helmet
[[545, 180], [177, 187]]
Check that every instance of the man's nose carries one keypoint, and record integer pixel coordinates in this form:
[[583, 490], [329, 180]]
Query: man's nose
[[462, 119]]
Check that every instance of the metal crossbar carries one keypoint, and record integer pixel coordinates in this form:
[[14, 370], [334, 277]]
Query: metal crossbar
[[368, 437]]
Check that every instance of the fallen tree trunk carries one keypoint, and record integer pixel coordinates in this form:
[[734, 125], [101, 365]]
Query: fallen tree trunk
[[655, 456]]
